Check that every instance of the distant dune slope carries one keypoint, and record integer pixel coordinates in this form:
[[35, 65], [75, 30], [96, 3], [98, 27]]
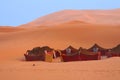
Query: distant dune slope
[[4, 29], [111, 17]]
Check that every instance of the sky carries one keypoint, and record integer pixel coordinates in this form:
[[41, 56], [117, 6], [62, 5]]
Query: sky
[[17, 12]]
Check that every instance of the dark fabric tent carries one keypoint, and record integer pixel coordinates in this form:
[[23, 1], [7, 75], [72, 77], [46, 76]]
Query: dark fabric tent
[[37, 53], [73, 50], [81, 55], [87, 55], [114, 51], [100, 49], [73, 56], [59, 52]]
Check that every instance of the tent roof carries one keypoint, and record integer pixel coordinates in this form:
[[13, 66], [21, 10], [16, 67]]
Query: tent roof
[[116, 49], [85, 51], [46, 48], [39, 50], [72, 48], [96, 46]]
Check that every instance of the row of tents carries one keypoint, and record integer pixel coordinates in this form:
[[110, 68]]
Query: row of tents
[[47, 54]]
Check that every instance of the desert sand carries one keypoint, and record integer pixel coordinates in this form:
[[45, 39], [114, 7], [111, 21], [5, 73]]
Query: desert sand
[[6, 29], [14, 41], [77, 34], [14, 44], [90, 16], [108, 69]]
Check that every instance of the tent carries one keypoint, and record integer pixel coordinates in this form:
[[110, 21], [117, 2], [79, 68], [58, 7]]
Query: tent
[[100, 49], [37, 53], [73, 57], [114, 51], [81, 55], [33, 58], [87, 55], [72, 50]]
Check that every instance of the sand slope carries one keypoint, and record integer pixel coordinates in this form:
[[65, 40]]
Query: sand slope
[[14, 45], [6, 29], [111, 17]]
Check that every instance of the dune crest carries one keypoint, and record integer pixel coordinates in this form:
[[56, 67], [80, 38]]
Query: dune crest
[[109, 17]]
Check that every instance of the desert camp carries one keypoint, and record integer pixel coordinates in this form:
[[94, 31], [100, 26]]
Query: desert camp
[[70, 53], [60, 40]]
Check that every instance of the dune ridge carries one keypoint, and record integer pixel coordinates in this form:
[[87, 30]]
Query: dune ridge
[[109, 17]]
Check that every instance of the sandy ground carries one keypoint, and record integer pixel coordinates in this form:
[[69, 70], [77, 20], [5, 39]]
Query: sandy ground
[[108, 69], [14, 43]]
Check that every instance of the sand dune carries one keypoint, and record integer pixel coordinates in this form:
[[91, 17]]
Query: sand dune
[[5, 29], [77, 34], [111, 17]]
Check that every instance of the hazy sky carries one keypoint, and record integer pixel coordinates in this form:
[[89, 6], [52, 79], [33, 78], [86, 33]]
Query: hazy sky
[[16, 12]]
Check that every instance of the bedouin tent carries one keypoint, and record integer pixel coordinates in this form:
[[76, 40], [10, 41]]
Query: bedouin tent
[[81, 55], [72, 50], [71, 56], [114, 51], [100, 49], [87, 55], [37, 53]]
